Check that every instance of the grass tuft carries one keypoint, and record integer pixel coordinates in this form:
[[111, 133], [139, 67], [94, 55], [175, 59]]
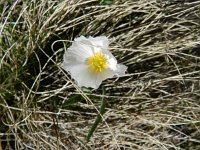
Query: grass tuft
[[156, 105]]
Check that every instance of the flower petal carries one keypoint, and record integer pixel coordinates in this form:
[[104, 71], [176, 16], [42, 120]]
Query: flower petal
[[89, 44], [77, 52], [121, 69], [101, 41], [81, 74], [112, 63], [83, 43], [108, 73]]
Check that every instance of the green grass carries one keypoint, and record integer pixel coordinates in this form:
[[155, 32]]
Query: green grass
[[156, 105]]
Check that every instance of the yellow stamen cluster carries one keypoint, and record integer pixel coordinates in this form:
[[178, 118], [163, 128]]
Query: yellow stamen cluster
[[97, 63]]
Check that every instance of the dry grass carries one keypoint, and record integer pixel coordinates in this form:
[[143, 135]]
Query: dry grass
[[156, 105]]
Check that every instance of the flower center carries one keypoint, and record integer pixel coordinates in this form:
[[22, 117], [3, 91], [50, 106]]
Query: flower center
[[97, 63]]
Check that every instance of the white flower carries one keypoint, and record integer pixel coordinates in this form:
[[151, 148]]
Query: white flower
[[90, 62]]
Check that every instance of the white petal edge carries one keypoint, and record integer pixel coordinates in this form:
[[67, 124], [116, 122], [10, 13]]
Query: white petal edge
[[81, 74], [121, 69], [106, 74], [100, 41], [77, 52]]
